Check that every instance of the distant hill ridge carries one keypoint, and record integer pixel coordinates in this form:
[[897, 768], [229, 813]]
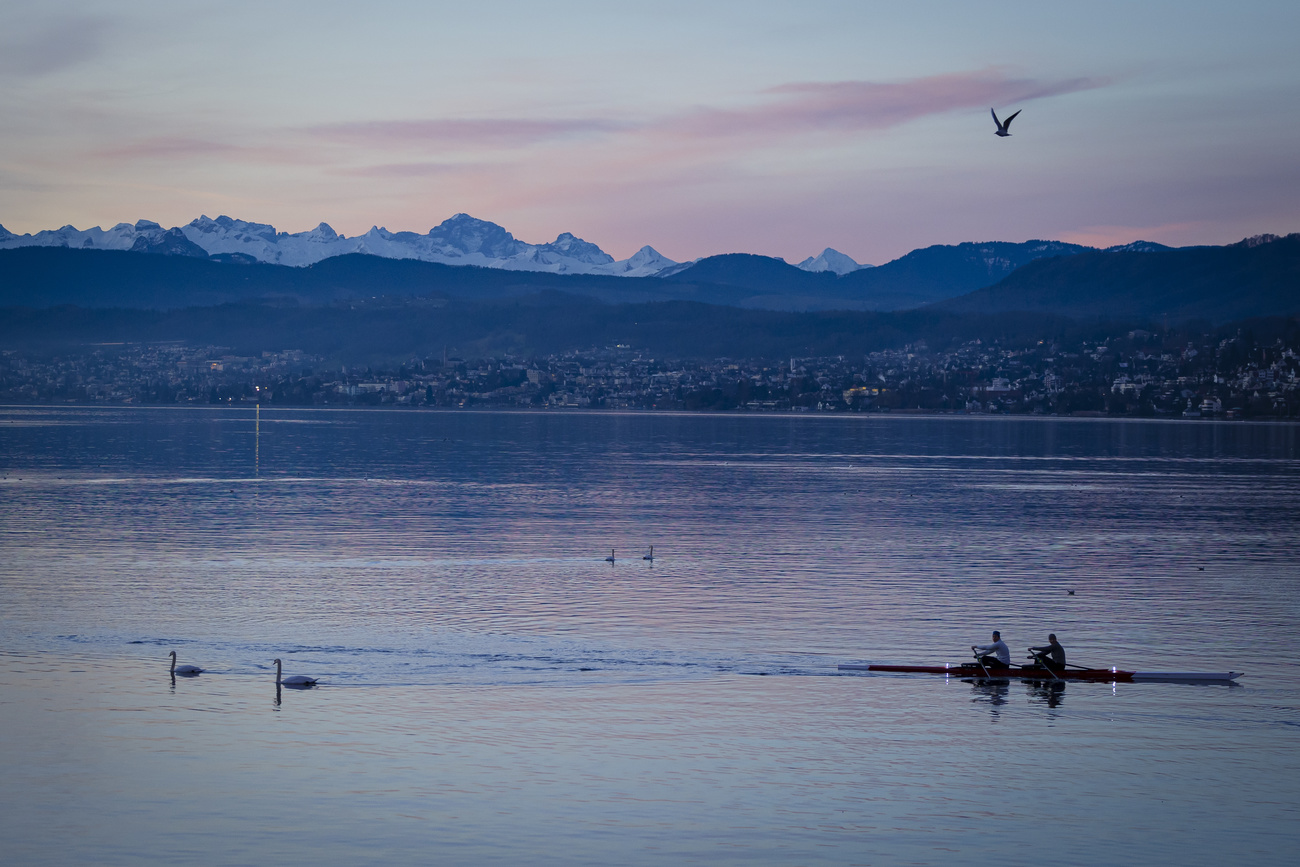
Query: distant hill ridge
[[1141, 278], [53, 275], [1258, 276]]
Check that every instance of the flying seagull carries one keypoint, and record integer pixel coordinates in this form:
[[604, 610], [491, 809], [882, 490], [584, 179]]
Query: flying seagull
[[1002, 125]]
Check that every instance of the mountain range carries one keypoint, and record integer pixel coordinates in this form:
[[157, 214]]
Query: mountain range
[[365, 306], [460, 240], [829, 281], [116, 281]]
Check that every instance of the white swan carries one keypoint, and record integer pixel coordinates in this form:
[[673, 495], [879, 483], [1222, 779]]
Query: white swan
[[293, 679], [610, 558], [183, 670], [651, 555]]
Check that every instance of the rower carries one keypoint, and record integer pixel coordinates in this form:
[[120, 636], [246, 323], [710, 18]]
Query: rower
[[1051, 655], [995, 655]]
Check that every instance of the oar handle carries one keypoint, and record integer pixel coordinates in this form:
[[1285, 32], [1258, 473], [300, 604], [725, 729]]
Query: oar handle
[[1041, 657]]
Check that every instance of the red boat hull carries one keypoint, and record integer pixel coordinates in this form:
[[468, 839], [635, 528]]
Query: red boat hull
[[1102, 674]]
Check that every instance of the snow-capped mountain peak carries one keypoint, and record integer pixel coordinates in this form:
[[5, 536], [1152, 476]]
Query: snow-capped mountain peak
[[224, 225], [573, 247], [258, 240], [323, 232], [831, 260], [171, 242], [464, 235], [646, 262], [648, 255]]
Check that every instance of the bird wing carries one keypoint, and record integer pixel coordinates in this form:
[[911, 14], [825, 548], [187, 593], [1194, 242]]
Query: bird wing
[[995, 118], [1007, 123]]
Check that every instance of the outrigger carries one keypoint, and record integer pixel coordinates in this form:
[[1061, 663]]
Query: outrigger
[[1036, 671]]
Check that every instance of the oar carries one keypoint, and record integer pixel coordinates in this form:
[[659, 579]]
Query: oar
[[1079, 667], [981, 664], [1037, 658]]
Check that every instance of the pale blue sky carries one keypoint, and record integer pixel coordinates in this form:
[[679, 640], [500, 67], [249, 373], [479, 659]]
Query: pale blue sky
[[696, 127]]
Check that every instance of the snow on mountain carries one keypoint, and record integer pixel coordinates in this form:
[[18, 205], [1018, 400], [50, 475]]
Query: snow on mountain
[[463, 235], [1138, 247], [1260, 240], [678, 267], [460, 240], [262, 242], [831, 260], [575, 248], [121, 237], [646, 262], [170, 243]]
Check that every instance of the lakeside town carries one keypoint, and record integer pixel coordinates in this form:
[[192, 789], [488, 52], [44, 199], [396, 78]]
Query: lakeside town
[[1139, 374]]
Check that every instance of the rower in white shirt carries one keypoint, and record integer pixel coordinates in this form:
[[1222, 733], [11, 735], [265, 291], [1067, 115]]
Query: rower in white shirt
[[995, 655]]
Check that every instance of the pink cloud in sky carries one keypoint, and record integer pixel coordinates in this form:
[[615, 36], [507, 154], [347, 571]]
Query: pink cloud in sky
[[789, 109], [190, 147], [702, 148], [168, 146], [1173, 234], [508, 132], [697, 136], [409, 170], [853, 106]]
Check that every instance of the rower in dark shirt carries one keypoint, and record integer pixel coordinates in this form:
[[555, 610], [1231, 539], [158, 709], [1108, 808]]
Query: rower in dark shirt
[[1051, 655]]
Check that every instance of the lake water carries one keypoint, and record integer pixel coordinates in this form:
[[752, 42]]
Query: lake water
[[493, 692]]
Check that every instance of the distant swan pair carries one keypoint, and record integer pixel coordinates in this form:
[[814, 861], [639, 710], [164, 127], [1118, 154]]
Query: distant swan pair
[[291, 680], [650, 556]]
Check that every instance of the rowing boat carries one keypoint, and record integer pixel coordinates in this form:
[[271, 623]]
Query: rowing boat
[[969, 669]]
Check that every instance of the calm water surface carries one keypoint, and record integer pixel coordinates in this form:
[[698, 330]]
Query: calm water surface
[[493, 692]]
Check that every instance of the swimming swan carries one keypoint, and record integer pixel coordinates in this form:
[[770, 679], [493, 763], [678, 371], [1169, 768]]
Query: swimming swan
[[183, 670], [293, 679]]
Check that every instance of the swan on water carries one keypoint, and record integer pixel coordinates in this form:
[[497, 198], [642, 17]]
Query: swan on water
[[610, 558], [293, 679], [651, 555], [183, 670]]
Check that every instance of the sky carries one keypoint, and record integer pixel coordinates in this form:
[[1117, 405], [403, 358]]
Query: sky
[[777, 128]]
